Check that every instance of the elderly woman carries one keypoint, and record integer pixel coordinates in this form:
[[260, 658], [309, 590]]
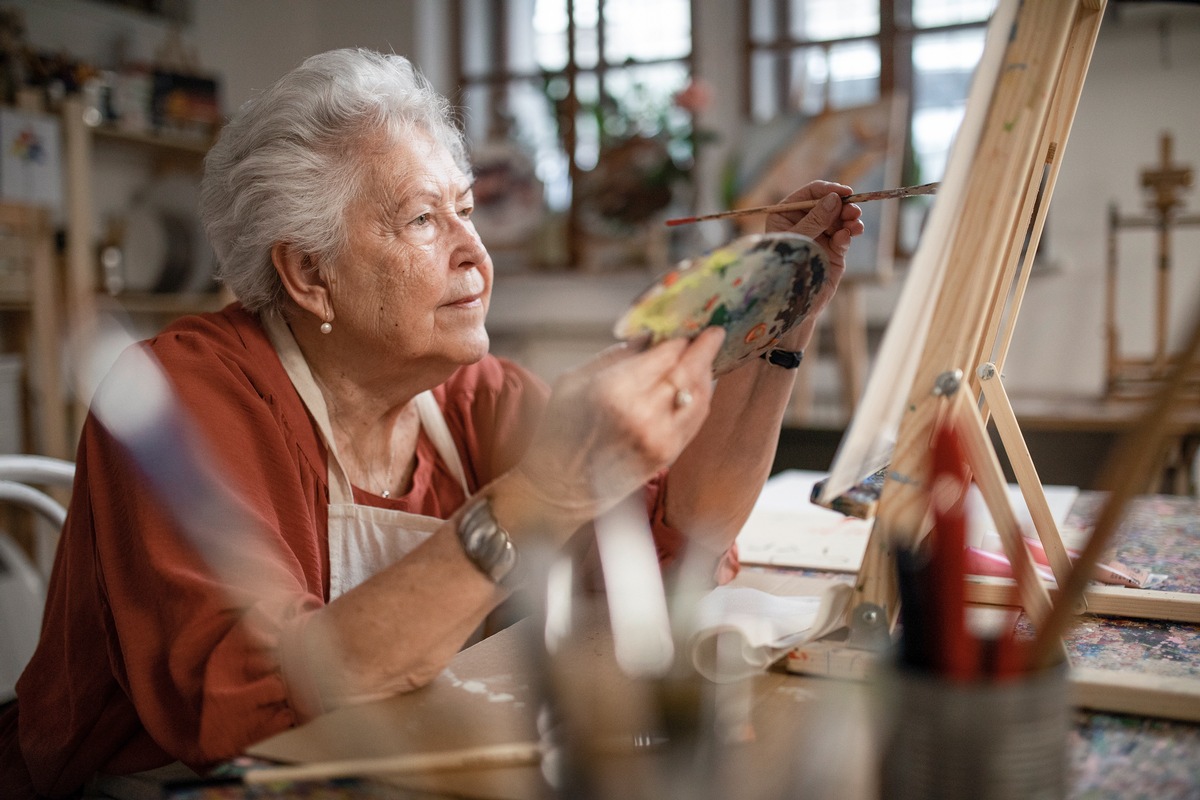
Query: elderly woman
[[392, 467]]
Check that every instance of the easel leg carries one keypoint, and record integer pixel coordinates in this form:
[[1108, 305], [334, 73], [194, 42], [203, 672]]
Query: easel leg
[[1026, 474], [990, 479]]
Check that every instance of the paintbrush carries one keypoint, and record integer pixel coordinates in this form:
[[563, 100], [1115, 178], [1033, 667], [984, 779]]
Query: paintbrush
[[804, 205], [517, 754]]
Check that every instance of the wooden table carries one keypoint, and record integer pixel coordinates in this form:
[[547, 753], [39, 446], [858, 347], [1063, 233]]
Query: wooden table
[[490, 695], [807, 736]]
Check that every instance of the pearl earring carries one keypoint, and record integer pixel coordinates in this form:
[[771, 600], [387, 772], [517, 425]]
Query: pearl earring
[[326, 326]]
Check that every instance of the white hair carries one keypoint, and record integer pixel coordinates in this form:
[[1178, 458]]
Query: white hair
[[289, 164]]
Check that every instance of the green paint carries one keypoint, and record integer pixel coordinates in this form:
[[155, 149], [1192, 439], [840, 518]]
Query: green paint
[[720, 316]]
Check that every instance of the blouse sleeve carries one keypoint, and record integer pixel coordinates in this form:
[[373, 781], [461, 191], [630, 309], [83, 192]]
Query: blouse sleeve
[[670, 542]]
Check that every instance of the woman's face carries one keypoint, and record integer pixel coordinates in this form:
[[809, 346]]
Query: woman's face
[[414, 284]]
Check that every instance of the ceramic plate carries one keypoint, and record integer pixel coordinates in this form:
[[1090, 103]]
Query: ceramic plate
[[756, 287], [165, 246]]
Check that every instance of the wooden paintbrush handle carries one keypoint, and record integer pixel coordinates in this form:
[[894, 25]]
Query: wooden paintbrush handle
[[804, 205]]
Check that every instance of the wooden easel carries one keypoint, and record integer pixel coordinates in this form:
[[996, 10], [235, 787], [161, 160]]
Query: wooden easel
[[1002, 206], [1133, 378], [973, 265]]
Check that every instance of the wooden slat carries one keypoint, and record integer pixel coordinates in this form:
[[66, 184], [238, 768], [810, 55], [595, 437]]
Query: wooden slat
[[1111, 691], [81, 259], [990, 478], [1138, 693], [1105, 601], [1025, 472], [1081, 42]]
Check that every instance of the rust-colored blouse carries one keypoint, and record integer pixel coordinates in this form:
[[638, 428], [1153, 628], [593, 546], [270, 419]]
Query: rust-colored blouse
[[146, 657]]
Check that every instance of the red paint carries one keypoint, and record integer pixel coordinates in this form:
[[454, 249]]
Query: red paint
[[758, 330]]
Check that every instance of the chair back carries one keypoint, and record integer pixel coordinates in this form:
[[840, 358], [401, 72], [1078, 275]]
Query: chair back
[[22, 585]]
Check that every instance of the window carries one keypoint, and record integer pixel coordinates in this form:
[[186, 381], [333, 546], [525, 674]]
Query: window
[[566, 78], [813, 55]]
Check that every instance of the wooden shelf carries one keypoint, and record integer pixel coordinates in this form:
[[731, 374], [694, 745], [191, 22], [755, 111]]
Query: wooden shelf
[[165, 304], [85, 299], [36, 326], [173, 143]]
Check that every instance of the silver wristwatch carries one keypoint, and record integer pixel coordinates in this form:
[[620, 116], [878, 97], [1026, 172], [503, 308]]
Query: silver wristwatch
[[485, 542]]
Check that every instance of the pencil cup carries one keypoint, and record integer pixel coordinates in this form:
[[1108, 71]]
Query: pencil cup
[[984, 740]]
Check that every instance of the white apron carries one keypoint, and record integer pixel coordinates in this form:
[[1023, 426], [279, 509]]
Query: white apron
[[362, 539]]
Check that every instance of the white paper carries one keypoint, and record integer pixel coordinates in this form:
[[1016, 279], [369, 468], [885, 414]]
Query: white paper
[[786, 529], [983, 533], [31, 161]]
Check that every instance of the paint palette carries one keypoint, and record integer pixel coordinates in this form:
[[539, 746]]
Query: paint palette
[[756, 288]]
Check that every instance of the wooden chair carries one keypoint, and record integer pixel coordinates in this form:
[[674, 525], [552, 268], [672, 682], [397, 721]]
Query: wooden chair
[[23, 582]]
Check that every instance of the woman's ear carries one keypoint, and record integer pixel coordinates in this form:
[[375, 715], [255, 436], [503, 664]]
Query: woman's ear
[[302, 280]]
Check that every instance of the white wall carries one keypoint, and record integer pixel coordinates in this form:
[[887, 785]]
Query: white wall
[[1145, 78]]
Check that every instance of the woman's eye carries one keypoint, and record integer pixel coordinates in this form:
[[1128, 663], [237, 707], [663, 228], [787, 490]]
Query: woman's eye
[[466, 212], [423, 219]]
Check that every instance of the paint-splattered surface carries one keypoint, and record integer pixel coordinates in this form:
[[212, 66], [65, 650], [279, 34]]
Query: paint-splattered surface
[[1133, 757], [1160, 533], [1116, 756]]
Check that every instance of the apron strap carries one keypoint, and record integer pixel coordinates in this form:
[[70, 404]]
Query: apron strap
[[439, 433], [428, 411]]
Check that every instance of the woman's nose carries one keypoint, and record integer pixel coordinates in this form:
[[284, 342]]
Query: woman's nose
[[468, 246]]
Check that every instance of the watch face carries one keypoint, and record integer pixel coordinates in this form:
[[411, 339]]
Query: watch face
[[756, 287]]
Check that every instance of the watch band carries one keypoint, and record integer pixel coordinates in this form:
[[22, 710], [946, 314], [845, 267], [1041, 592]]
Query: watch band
[[788, 359], [485, 542]]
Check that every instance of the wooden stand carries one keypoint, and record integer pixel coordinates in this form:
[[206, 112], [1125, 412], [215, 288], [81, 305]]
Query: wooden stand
[[1134, 378], [1014, 167], [971, 269]]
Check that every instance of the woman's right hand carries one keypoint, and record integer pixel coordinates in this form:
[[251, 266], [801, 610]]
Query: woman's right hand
[[613, 423]]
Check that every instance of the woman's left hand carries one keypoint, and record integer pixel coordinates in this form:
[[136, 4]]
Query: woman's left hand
[[832, 224], [715, 481]]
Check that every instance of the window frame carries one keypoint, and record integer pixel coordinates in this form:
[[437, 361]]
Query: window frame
[[895, 41], [499, 78]]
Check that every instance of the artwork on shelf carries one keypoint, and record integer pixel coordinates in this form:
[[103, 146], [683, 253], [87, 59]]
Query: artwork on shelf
[[862, 147], [30, 161], [164, 246]]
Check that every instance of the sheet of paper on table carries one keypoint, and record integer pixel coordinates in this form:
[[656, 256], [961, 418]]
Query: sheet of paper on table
[[786, 529]]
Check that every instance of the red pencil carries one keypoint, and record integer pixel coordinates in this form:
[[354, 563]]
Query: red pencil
[[958, 656]]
